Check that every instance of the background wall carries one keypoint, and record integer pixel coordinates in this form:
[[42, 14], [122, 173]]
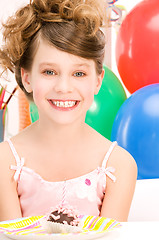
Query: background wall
[[7, 7]]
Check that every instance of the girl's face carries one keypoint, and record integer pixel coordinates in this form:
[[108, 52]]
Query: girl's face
[[63, 84]]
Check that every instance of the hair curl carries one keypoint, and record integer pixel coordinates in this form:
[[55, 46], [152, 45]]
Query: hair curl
[[70, 25]]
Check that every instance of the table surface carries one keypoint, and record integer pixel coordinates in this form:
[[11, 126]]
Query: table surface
[[129, 231], [136, 231]]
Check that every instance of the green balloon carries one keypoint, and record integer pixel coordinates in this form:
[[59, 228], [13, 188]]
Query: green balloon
[[33, 112], [106, 104]]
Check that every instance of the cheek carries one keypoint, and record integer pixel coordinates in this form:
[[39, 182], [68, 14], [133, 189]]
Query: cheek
[[39, 91], [37, 97], [89, 94], [90, 99]]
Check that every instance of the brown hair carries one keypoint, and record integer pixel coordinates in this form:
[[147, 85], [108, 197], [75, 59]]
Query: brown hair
[[72, 26]]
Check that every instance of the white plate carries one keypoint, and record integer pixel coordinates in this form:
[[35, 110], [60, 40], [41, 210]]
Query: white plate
[[31, 229], [89, 236]]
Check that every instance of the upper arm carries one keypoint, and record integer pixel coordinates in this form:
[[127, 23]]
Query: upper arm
[[119, 194], [9, 201]]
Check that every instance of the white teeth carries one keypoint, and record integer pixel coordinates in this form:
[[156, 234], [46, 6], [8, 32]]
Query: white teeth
[[64, 104], [61, 104]]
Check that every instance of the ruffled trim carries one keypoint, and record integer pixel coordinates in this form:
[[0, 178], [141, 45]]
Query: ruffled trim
[[108, 172]]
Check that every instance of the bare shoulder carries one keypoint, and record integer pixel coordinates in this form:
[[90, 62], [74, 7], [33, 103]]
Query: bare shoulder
[[119, 194], [5, 154], [6, 160], [121, 159], [9, 203], [100, 142]]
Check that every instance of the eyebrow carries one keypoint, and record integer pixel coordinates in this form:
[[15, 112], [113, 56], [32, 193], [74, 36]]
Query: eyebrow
[[55, 64], [82, 64], [47, 63]]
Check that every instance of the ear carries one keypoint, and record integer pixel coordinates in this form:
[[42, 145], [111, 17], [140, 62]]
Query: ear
[[25, 75], [99, 82]]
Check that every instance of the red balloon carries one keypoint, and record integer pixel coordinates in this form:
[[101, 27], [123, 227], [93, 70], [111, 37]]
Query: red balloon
[[137, 46]]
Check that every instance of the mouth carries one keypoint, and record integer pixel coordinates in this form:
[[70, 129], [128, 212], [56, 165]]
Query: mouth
[[64, 104]]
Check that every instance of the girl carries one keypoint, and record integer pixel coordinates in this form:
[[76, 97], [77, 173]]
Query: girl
[[56, 50]]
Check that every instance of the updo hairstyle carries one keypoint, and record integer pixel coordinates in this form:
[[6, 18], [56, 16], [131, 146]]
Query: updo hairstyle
[[73, 26]]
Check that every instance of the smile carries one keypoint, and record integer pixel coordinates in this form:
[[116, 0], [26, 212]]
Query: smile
[[64, 104]]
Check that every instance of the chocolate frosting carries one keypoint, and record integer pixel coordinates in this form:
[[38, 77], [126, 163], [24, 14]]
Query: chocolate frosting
[[62, 217]]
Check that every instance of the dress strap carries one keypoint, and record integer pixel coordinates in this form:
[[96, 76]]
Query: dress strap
[[15, 154], [108, 154], [109, 170], [19, 161]]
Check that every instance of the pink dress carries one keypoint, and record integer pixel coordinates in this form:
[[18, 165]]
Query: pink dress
[[37, 196]]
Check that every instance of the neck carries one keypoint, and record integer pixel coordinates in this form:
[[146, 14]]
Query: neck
[[63, 135]]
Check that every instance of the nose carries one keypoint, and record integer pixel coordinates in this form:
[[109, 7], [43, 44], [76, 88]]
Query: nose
[[63, 84]]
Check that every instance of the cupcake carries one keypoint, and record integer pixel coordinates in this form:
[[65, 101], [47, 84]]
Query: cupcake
[[62, 220]]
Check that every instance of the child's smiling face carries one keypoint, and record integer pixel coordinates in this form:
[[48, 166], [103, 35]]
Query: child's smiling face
[[63, 84]]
